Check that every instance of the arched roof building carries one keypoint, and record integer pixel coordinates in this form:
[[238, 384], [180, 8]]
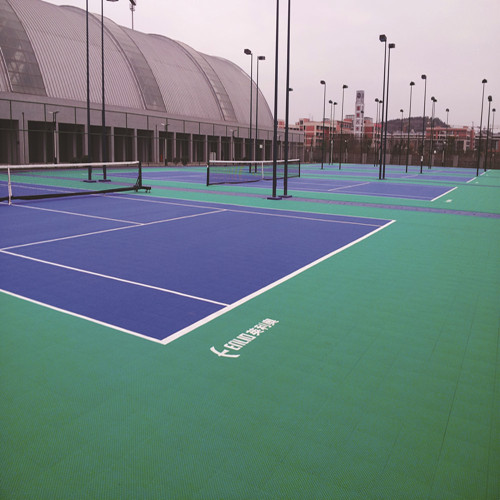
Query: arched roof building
[[158, 92]]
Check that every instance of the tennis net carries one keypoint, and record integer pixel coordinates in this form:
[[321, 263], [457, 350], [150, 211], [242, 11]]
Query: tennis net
[[31, 182], [234, 172]]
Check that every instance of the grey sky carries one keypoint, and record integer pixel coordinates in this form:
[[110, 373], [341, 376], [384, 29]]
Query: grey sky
[[454, 42]]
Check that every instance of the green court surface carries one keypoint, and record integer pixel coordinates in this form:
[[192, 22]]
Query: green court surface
[[380, 379]]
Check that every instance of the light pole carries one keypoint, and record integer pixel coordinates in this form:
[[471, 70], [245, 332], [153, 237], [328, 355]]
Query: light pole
[[104, 135], [401, 138], [492, 153], [383, 39], [132, 10], [341, 126], [375, 134], [422, 149], [330, 102], [248, 52], [259, 58], [431, 152], [54, 133], [480, 129], [391, 46], [287, 106], [275, 131], [409, 127], [487, 132], [285, 180], [446, 134], [333, 129], [165, 155], [322, 82], [89, 153]]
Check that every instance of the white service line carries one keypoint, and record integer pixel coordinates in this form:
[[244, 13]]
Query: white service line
[[136, 225], [65, 212], [349, 186], [267, 210]]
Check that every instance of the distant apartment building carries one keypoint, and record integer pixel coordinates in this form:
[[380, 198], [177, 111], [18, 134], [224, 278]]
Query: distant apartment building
[[313, 130], [463, 137]]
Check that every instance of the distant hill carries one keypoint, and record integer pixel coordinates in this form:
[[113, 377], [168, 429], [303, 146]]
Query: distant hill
[[416, 124]]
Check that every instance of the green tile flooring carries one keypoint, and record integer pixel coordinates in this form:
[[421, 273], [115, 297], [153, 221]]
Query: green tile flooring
[[380, 381]]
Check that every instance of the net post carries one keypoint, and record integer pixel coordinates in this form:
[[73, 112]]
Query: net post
[[9, 186], [140, 174], [208, 173], [89, 174], [104, 175]]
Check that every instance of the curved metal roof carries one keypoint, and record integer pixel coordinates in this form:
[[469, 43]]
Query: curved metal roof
[[43, 52]]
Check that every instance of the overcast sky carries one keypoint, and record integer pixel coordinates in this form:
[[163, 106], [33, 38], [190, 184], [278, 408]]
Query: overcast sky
[[454, 42]]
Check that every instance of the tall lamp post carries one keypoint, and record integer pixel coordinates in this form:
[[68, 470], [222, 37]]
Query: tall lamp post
[[287, 106], [487, 132], [431, 152], [383, 39], [132, 10], [492, 152], [322, 82], [401, 142], [446, 134], [422, 148], [330, 102], [341, 126], [275, 131], [480, 129], [89, 153], [259, 58], [391, 46], [375, 134], [248, 52], [165, 144], [104, 134], [54, 133], [409, 127], [332, 127]]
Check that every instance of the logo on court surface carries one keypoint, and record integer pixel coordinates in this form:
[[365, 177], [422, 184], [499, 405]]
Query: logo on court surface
[[245, 338]]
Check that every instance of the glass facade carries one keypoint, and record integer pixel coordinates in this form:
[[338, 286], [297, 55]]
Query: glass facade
[[22, 66]]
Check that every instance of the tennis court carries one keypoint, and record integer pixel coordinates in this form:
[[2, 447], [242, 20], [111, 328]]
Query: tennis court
[[197, 343], [361, 180], [181, 262]]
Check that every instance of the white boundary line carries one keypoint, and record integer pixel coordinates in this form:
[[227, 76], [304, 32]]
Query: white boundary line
[[444, 194], [212, 316], [76, 315], [113, 278]]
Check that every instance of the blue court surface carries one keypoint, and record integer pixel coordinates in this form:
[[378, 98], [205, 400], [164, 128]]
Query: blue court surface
[[156, 267], [361, 180]]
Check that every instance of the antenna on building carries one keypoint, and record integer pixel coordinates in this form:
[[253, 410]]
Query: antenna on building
[[132, 9]]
